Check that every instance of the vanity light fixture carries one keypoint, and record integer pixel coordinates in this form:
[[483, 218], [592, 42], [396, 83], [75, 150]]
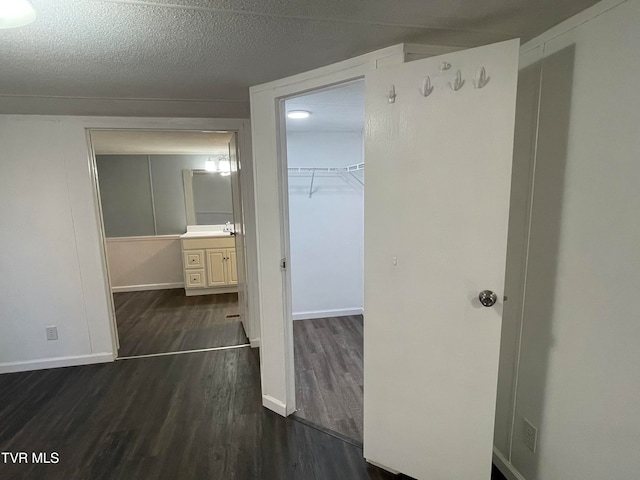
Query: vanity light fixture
[[210, 165], [298, 114], [16, 13], [224, 166]]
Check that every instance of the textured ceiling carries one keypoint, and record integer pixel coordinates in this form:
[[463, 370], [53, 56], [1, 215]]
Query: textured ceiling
[[133, 142], [339, 109], [215, 49]]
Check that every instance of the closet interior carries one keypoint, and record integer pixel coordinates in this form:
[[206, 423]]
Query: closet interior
[[325, 170]]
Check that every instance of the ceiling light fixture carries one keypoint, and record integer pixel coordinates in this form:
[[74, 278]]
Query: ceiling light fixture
[[298, 114], [16, 13]]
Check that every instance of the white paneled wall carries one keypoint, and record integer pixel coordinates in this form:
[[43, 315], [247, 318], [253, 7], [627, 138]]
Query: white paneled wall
[[577, 355], [50, 261], [52, 267]]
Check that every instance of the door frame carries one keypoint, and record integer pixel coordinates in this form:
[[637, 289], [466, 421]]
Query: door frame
[[271, 207], [287, 297], [241, 129]]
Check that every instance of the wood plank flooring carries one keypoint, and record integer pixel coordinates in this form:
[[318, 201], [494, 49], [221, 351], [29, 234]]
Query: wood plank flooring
[[191, 416], [159, 321], [329, 373]]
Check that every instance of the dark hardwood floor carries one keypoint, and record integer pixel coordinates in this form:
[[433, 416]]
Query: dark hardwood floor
[[329, 376], [329, 373], [160, 321], [191, 416]]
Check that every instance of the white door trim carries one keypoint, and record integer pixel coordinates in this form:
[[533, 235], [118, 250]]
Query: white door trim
[[239, 126]]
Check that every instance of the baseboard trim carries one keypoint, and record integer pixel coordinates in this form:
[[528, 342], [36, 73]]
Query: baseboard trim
[[274, 405], [379, 465], [327, 313], [505, 467], [192, 292], [150, 286], [56, 362]]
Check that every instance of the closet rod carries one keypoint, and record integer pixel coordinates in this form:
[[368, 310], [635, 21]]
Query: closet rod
[[347, 169]]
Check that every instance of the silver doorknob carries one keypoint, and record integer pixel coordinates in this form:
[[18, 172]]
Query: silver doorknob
[[487, 298]]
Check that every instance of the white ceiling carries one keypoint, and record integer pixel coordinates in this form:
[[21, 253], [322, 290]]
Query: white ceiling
[[339, 109], [215, 49], [132, 142]]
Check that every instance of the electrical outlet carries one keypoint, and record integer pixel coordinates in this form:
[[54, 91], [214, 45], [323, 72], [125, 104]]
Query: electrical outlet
[[52, 333], [529, 435]]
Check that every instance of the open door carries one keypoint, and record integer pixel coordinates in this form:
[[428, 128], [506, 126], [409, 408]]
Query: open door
[[438, 148], [238, 227]]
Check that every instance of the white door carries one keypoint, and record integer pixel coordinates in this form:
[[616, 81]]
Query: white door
[[438, 171], [237, 261]]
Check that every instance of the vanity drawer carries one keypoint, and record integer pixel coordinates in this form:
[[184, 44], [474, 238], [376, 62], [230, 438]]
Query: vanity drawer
[[209, 242], [195, 278], [193, 258]]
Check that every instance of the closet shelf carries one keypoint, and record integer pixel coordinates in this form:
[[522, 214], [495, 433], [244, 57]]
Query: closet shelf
[[346, 173], [311, 170]]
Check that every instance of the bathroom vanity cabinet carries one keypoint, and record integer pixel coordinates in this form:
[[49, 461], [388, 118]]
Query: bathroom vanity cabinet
[[209, 264]]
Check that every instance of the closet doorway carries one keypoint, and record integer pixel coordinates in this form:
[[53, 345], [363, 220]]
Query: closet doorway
[[325, 175], [171, 216]]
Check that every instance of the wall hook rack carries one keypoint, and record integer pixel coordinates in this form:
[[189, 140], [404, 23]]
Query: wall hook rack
[[427, 88], [391, 96], [481, 79], [458, 83], [445, 66]]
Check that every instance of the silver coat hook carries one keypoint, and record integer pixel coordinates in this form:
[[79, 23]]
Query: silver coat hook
[[427, 88], [391, 96], [481, 79], [458, 82], [445, 66]]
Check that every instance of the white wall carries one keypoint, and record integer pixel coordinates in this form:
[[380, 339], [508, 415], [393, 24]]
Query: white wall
[[50, 261], [51, 258], [577, 378], [145, 263], [519, 206], [326, 230]]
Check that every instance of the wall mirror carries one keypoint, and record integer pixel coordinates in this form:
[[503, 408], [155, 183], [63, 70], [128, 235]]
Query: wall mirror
[[207, 196]]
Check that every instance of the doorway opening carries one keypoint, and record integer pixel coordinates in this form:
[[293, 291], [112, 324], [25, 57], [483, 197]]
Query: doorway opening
[[172, 224], [325, 176]]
